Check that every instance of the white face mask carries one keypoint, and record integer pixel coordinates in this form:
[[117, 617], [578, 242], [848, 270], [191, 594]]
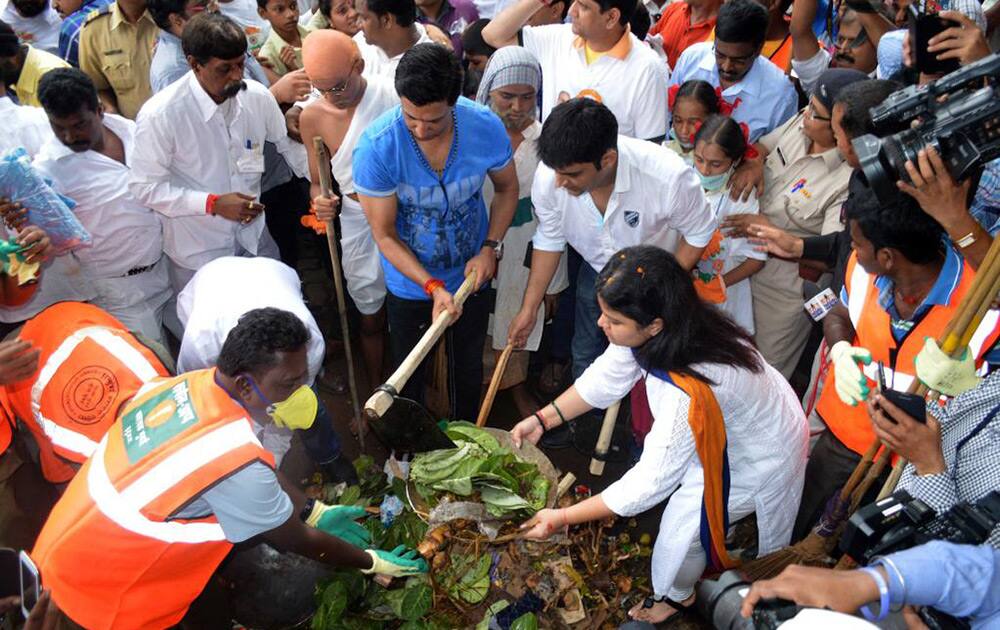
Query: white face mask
[[712, 183]]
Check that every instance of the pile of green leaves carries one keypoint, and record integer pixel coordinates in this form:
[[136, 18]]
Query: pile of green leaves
[[479, 469]]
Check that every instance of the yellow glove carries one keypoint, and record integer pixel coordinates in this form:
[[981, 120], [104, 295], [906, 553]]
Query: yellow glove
[[852, 386], [399, 562], [943, 374]]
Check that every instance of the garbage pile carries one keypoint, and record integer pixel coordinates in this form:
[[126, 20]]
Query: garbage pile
[[483, 574]]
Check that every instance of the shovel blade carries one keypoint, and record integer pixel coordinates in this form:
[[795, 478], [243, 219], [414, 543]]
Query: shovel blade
[[408, 427]]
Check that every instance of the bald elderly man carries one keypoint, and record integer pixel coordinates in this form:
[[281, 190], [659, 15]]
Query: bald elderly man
[[349, 103]]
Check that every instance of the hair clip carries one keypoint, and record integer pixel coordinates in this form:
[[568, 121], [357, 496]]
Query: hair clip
[[641, 272], [672, 96]]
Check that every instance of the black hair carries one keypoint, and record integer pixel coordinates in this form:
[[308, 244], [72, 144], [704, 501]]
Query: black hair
[[429, 73], [324, 8], [741, 22], [701, 91], [858, 98], [209, 36], [10, 44], [646, 282], [625, 8], [725, 132], [252, 346], [161, 10], [65, 91], [640, 22], [898, 223], [472, 39], [578, 131], [404, 11]]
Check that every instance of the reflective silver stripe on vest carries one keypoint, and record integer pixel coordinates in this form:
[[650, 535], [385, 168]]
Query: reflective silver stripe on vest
[[124, 508], [117, 347]]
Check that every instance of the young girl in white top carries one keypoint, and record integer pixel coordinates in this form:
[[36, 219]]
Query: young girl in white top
[[706, 383], [727, 263]]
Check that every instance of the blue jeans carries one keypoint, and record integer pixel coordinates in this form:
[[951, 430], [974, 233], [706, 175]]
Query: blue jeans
[[321, 441], [589, 340]]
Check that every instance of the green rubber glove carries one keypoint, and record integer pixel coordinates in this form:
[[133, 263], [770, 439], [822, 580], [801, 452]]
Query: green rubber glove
[[943, 374], [852, 386], [397, 563], [339, 521]]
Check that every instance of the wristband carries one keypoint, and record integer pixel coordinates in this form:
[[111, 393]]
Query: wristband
[[538, 416], [210, 204], [432, 285], [562, 418], [883, 596], [307, 510]]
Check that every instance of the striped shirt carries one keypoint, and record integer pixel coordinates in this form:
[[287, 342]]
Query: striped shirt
[[69, 31]]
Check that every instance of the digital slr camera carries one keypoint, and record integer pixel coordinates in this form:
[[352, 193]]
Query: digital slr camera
[[895, 523], [958, 115]]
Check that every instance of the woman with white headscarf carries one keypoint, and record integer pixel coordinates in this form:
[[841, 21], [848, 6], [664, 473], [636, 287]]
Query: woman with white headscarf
[[510, 87]]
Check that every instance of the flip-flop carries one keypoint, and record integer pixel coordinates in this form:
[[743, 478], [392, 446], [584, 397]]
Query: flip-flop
[[651, 601]]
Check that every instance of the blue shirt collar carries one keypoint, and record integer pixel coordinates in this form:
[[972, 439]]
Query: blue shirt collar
[[940, 293]]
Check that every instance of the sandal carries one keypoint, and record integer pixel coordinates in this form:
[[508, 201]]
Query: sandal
[[652, 600]]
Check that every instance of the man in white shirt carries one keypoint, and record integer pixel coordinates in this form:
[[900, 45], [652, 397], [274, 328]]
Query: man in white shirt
[[212, 304], [88, 160], [596, 57], [35, 22], [600, 192], [199, 152], [63, 280], [758, 91], [388, 29]]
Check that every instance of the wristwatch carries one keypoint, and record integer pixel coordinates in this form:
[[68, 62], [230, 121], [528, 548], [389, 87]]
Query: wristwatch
[[497, 247]]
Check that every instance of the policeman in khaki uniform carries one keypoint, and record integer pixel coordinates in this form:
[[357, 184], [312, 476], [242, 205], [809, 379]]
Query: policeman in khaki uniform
[[116, 47], [805, 185]]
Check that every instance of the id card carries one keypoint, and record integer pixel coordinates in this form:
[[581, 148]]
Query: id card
[[821, 304]]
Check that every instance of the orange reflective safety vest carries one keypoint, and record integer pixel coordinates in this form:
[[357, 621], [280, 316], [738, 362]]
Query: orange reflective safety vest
[[109, 552], [90, 364], [873, 331]]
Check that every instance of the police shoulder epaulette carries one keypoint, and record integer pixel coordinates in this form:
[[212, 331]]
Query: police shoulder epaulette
[[96, 13]]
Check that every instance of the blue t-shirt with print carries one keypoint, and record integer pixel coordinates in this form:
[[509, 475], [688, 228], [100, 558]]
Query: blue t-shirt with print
[[442, 220]]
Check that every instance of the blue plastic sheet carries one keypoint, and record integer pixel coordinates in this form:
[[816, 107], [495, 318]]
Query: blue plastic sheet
[[47, 209]]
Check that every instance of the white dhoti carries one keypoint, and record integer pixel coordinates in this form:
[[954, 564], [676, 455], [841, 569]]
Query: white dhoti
[[360, 259]]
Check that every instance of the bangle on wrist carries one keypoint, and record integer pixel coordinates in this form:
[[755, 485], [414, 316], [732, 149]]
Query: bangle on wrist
[[883, 596], [887, 562], [562, 418], [432, 285], [541, 422], [210, 204]]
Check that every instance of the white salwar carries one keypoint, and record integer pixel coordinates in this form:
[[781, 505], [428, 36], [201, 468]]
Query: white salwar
[[767, 438]]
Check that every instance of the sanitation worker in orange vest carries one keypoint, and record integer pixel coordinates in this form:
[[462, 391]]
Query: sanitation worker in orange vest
[[903, 283], [180, 477], [89, 366]]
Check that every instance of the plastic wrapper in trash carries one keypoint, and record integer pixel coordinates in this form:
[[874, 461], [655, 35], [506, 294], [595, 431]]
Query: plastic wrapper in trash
[[390, 509], [47, 209]]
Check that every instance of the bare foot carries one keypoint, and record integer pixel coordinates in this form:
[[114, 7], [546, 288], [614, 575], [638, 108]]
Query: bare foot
[[659, 612]]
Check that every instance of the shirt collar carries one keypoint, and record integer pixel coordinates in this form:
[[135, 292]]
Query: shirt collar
[[117, 17], [623, 172], [619, 51], [750, 85], [206, 106], [941, 291]]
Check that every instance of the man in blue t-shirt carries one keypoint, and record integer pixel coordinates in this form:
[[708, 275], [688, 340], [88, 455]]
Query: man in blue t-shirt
[[419, 171]]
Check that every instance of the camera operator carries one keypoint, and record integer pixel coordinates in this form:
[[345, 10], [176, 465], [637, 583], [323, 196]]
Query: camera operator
[[952, 456], [960, 580]]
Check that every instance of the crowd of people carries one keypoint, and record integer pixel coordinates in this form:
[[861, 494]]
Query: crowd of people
[[652, 188]]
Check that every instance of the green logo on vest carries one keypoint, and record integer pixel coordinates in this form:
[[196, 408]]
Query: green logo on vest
[[156, 420]]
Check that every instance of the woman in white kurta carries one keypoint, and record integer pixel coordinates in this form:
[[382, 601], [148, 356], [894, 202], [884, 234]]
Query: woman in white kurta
[[655, 321]]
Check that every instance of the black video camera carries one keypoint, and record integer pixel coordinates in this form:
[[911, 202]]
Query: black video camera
[[964, 127], [899, 522]]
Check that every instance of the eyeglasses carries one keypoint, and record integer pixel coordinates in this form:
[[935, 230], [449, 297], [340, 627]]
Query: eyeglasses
[[812, 114], [739, 61], [340, 87]]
